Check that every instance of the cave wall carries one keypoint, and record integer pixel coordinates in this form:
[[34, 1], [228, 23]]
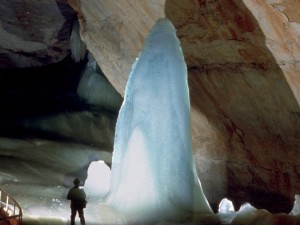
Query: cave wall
[[242, 59], [34, 33], [240, 69], [243, 65]]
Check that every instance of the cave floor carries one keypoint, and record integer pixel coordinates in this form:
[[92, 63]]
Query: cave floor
[[99, 214], [50, 208]]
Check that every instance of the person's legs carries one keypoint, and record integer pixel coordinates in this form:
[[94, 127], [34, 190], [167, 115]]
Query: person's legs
[[73, 215], [81, 216]]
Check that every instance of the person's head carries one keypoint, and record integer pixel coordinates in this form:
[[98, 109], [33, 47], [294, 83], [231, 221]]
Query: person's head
[[76, 182]]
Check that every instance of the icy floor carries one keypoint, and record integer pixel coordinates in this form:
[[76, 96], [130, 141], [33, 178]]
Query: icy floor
[[25, 176], [95, 214], [28, 178], [48, 206]]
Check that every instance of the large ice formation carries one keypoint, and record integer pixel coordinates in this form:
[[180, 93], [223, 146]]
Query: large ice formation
[[153, 171]]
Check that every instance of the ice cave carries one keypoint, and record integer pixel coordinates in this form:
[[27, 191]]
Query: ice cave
[[168, 111]]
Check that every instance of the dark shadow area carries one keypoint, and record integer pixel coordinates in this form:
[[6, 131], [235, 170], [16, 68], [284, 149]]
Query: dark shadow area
[[38, 92], [274, 202], [244, 94], [26, 92]]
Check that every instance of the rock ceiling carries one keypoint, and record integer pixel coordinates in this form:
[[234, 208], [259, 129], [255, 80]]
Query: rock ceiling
[[243, 59]]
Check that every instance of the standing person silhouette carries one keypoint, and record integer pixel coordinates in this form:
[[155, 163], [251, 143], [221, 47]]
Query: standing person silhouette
[[78, 202]]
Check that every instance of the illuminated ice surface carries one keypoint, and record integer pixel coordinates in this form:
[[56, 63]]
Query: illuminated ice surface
[[154, 176], [30, 170], [44, 205], [153, 172], [226, 211], [296, 209], [226, 206], [98, 181]]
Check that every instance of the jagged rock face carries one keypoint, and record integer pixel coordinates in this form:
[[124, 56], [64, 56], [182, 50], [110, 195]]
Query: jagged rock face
[[34, 33], [243, 64]]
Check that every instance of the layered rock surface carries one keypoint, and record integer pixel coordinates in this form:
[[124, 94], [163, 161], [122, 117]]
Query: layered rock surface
[[34, 33], [243, 59]]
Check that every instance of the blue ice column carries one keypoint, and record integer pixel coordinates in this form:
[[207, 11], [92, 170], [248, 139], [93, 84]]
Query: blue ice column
[[153, 171]]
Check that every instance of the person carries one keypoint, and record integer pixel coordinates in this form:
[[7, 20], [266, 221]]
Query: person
[[78, 202]]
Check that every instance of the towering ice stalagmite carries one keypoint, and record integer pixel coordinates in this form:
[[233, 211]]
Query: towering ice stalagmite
[[153, 172]]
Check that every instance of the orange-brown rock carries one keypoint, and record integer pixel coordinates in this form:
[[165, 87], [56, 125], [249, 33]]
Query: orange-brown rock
[[243, 64]]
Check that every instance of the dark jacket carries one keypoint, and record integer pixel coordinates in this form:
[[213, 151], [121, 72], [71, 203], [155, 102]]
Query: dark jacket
[[77, 197]]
